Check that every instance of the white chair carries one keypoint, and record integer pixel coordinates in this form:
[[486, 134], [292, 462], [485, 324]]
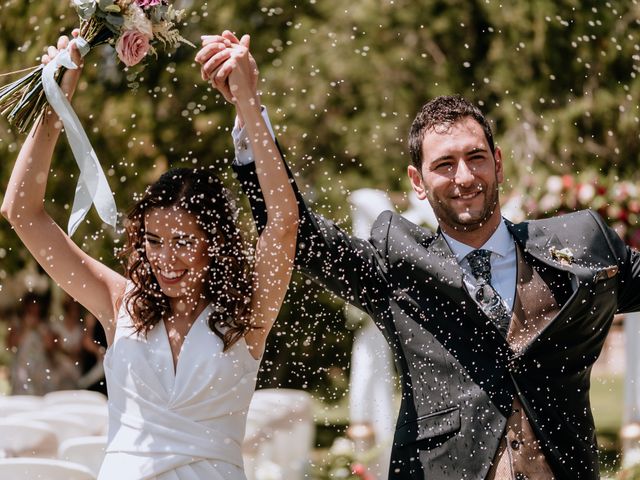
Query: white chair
[[94, 416], [25, 438], [86, 397], [65, 425], [87, 451], [42, 469], [280, 434], [11, 404]]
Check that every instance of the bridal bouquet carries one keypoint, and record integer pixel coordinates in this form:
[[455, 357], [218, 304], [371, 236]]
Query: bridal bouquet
[[134, 27]]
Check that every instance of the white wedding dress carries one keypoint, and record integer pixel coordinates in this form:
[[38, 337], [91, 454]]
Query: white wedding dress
[[187, 425]]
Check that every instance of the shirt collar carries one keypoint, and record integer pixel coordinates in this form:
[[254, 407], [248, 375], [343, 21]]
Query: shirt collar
[[500, 243]]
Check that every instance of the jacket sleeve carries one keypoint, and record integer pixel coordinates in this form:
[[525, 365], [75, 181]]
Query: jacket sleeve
[[349, 267], [628, 260], [630, 301], [629, 297]]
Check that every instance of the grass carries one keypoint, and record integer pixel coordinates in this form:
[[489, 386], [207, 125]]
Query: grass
[[331, 421], [607, 404]]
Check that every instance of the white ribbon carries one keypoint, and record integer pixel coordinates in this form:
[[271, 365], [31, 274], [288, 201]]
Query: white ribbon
[[92, 184]]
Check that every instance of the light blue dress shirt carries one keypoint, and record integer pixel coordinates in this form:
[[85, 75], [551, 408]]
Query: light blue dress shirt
[[504, 263]]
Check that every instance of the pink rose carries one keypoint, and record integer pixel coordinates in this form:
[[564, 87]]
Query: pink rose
[[148, 3], [132, 46]]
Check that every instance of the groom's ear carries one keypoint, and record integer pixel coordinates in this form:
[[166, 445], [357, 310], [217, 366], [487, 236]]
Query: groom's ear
[[416, 182]]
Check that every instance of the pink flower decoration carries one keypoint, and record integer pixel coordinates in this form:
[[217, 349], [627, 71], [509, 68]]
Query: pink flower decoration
[[360, 470], [148, 3], [132, 46]]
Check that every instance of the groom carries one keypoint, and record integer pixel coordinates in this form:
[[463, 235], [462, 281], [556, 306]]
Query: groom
[[494, 326]]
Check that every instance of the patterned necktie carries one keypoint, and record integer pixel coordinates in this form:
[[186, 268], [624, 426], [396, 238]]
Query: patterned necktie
[[487, 297]]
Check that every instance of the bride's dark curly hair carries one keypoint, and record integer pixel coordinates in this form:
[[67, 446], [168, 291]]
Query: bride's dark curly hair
[[229, 287]]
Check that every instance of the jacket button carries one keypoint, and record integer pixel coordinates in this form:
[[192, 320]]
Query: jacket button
[[521, 476], [515, 444]]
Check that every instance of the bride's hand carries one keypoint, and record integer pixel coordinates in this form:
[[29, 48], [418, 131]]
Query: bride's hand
[[71, 77], [252, 70], [241, 71]]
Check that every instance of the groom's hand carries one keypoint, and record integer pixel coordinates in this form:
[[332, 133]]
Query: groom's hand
[[254, 72], [217, 61]]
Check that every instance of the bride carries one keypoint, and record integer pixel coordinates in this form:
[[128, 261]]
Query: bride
[[188, 320]]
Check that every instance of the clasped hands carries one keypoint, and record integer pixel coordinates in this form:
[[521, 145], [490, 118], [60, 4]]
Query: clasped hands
[[229, 66]]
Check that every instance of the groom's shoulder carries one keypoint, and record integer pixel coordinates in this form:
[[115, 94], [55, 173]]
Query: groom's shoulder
[[567, 223], [390, 225], [582, 227]]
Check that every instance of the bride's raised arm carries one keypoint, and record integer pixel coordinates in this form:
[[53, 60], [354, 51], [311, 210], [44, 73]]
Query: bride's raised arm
[[91, 283], [275, 250]]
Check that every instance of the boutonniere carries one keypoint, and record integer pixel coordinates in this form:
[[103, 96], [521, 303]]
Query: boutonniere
[[563, 256]]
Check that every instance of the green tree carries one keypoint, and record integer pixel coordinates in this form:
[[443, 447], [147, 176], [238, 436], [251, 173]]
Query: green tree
[[343, 81]]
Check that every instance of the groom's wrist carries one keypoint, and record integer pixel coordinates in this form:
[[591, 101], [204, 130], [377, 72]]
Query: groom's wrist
[[241, 143]]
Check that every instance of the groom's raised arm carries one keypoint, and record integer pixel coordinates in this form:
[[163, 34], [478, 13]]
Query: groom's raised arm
[[350, 267]]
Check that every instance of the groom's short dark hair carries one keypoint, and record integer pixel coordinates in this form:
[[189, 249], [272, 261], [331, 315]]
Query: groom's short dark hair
[[443, 111]]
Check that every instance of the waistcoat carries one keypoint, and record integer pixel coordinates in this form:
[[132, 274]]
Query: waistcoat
[[519, 456]]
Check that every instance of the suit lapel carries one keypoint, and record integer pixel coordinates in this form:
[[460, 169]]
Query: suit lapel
[[445, 267], [539, 244], [531, 239]]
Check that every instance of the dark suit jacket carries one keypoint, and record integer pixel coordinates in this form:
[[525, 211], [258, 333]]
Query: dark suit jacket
[[458, 374]]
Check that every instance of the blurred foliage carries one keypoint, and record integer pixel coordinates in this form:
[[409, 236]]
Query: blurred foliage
[[344, 462], [343, 81], [606, 397], [631, 473]]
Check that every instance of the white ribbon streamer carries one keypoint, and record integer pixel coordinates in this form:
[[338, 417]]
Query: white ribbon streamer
[[92, 183]]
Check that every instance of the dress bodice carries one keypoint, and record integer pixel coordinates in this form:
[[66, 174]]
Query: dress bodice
[[161, 419]]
